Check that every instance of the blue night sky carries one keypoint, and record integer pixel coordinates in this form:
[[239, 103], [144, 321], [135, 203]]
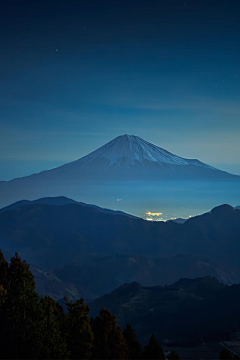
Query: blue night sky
[[75, 74]]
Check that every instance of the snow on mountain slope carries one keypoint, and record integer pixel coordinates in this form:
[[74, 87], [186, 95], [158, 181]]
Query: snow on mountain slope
[[123, 167], [133, 149], [128, 157]]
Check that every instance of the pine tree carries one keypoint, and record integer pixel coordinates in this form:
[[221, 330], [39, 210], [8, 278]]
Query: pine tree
[[3, 294], [3, 271], [18, 325], [153, 350], [109, 342], [51, 344], [134, 347], [78, 330], [3, 278]]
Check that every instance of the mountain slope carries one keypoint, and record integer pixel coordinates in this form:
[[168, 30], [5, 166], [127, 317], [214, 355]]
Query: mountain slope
[[130, 157], [51, 236], [60, 201], [48, 284], [129, 149], [122, 166], [102, 274], [189, 311]]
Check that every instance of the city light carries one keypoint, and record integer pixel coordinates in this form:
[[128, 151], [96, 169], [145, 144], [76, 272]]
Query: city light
[[153, 214]]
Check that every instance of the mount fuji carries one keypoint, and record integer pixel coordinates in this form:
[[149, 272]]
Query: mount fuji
[[129, 150], [126, 159], [129, 156]]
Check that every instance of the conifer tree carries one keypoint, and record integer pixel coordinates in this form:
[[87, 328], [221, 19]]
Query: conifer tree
[[18, 324], [51, 343], [3, 293], [78, 330], [3, 278], [134, 347], [3, 271], [153, 350], [109, 342]]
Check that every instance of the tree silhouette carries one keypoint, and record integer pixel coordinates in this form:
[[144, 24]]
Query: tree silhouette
[[18, 323], [51, 342], [3, 277], [134, 347], [153, 350], [109, 342], [78, 328]]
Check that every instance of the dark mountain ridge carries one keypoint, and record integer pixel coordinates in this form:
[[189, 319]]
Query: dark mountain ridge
[[60, 201], [99, 275], [53, 236], [189, 311]]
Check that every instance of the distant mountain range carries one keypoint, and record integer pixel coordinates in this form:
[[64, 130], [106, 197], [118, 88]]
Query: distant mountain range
[[127, 159], [182, 221], [99, 275], [97, 250], [187, 312], [60, 201]]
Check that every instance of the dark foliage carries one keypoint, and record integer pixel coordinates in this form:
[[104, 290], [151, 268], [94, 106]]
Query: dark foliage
[[34, 327], [78, 329], [109, 342], [30, 326], [134, 347], [153, 350]]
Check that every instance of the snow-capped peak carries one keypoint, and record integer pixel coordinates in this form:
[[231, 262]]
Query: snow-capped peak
[[132, 149]]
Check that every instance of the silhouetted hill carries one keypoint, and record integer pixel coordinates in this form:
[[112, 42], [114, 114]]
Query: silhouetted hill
[[188, 311], [60, 201], [101, 274], [63, 234], [67, 233], [97, 251]]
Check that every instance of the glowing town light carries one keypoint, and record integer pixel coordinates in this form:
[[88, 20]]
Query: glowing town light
[[153, 214]]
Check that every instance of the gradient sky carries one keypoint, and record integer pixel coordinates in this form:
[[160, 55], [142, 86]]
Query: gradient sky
[[75, 74]]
